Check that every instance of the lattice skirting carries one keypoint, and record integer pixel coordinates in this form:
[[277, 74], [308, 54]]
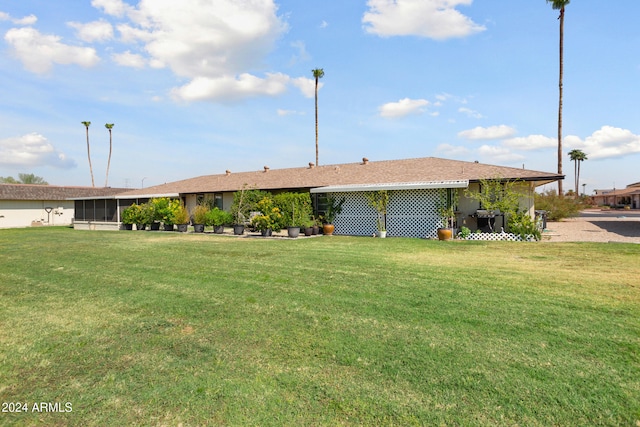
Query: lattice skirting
[[411, 213], [499, 236]]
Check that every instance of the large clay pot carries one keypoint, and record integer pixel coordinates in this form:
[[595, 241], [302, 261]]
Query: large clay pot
[[445, 233], [198, 228], [328, 229], [182, 228], [218, 229], [238, 229]]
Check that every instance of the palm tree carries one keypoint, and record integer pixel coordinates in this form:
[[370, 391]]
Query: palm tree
[[577, 156], [559, 5], [109, 126], [318, 73], [86, 125]]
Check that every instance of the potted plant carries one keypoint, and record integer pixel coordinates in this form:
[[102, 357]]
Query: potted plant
[[295, 209], [199, 215], [334, 208], [163, 211], [448, 199], [269, 217], [151, 215], [315, 227], [379, 200], [307, 226], [181, 218], [130, 215], [218, 218]]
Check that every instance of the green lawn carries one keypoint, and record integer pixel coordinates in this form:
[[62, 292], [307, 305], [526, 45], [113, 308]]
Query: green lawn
[[156, 328]]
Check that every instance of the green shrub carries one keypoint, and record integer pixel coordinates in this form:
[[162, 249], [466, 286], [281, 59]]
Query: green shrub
[[295, 209], [133, 214], [246, 201], [180, 215], [557, 207], [217, 217], [200, 213], [164, 209], [521, 224]]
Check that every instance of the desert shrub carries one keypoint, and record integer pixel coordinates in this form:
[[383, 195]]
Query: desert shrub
[[557, 207]]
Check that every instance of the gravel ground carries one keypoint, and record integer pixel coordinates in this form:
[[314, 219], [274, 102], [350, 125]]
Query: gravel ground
[[596, 226]]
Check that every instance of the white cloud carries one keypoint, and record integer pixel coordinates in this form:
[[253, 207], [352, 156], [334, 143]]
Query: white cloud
[[27, 20], [436, 19], [128, 59], [232, 89], [531, 142], [216, 45], [282, 112], [469, 112], [205, 39], [607, 142], [38, 52], [324, 24], [116, 8], [31, 150], [403, 107], [499, 154], [492, 132], [307, 86], [96, 31]]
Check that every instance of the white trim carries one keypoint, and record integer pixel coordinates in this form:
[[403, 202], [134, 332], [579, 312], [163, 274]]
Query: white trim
[[392, 186], [147, 196]]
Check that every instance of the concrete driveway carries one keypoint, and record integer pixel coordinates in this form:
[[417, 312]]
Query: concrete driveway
[[595, 225]]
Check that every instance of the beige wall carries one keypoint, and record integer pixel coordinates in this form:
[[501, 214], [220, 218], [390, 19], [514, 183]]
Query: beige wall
[[27, 213]]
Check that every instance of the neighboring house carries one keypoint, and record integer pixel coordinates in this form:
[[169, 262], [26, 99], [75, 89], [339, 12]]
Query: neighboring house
[[629, 196], [26, 205], [414, 186]]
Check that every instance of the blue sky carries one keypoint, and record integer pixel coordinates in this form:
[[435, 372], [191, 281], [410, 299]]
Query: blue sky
[[198, 87]]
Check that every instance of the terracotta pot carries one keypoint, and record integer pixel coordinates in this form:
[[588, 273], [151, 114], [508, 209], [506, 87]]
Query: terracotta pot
[[328, 229], [445, 233]]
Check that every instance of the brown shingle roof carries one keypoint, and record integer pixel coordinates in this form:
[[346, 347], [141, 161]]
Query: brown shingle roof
[[388, 171], [52, 192]]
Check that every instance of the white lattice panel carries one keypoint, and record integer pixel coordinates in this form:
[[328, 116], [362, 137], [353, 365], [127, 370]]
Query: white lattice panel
[[411, 213]]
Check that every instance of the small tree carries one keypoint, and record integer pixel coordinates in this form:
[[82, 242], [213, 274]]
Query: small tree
[[447, 203], [497, 195], [504, 196], [379, 200]]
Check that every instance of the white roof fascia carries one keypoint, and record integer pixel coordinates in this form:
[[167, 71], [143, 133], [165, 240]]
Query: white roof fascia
[[391, 186], [147, 196]]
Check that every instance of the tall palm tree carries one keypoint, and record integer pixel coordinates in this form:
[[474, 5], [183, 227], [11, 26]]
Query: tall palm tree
[[559, 5], [86, 125], [577, 156], [109, 126], [318, 73]]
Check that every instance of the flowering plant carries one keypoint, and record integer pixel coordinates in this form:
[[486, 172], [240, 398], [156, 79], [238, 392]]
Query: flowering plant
[[269, 217]]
